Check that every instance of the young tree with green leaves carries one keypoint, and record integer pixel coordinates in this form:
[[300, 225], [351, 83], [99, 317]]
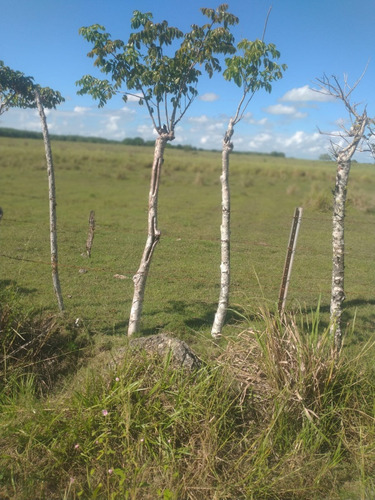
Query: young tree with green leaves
[[159, 65], [15, 89], [253, 67], [18, 90]]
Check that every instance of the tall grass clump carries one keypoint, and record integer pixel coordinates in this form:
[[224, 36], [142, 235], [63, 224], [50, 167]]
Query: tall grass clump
[[33, 342], [313, 411]]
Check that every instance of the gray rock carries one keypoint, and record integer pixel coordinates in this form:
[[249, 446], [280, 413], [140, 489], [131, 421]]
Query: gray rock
[[161, 345]]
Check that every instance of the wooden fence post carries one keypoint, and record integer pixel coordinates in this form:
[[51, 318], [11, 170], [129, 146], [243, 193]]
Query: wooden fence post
[[90, 236], [289, 259]]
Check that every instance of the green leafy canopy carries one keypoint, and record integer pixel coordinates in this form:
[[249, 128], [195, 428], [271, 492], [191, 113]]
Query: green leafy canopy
[[255, 68], [18, 90], [149, 66]]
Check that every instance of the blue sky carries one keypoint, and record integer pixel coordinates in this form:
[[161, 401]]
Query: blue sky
[[332, 37]]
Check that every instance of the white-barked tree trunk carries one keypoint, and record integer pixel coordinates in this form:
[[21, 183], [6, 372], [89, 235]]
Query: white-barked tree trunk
[[343, 160], [52, 203], [153, 235], [224, 235]]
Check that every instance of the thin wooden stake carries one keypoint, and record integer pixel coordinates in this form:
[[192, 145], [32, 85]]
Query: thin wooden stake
[[289, 259], [90, 236]]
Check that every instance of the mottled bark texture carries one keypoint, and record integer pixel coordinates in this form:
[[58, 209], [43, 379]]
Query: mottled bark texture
[[343, 159], [153, 235], [225, 235], [90, 236], [52, 203]]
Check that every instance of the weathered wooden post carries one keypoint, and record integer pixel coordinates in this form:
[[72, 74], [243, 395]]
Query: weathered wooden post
[[289, 259], [90, 236]]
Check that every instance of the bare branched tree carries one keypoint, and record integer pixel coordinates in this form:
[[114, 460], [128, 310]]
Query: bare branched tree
[[346, 142]]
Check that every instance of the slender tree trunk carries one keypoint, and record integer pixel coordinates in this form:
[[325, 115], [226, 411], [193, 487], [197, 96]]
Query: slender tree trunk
[[52, 204], [338, 248], [338, 241], [153, 236], [225, 235]]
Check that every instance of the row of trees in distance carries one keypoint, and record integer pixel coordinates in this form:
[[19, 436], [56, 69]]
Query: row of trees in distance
[[128, 141]]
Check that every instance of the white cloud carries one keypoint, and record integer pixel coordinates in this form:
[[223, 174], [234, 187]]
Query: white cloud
[[206, 123], [199, 119], [259, 141], [296, 139], [112, 124], [282, 109], [134, 98], [146, 131], [262, 135], [249, 118], [81, 110], [128, 111], [299, 144], [305, 94], [216, 126], [209, 97], [306, 144]]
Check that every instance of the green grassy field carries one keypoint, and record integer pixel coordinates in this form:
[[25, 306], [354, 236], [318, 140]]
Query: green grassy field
[[299, 434], [183, 285]]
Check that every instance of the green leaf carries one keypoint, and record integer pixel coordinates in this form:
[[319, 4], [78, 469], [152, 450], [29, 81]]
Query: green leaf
[[256, 67], [146, 63], [18, 90]]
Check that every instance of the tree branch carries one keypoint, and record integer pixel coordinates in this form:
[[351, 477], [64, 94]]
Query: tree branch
[[356, 134], [266, 22]]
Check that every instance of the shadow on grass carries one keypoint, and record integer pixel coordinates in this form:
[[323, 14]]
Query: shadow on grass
[[362, 311], [183, 317], [178, 316], [349, 304], [358, 319], [205, 317], [12, 285]]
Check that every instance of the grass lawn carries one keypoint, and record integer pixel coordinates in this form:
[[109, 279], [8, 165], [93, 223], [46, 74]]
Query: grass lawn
[[183, 285], [249, 425]]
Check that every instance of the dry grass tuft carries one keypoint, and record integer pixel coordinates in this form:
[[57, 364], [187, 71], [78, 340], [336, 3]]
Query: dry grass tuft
[[282, 363]]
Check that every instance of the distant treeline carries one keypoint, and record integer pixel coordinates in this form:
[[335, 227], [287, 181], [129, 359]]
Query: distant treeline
[[29, 134], [129, 141]]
